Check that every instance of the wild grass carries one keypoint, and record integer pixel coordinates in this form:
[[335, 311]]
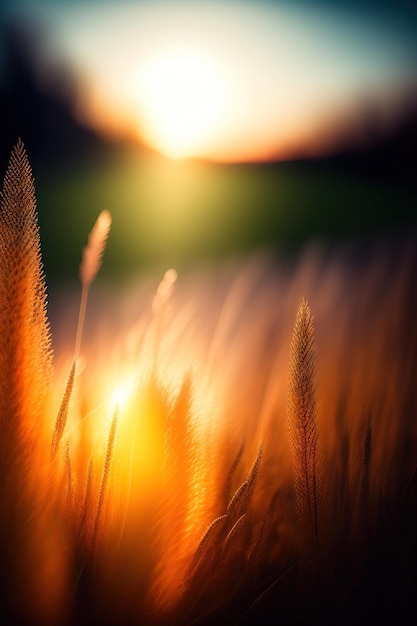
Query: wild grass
[[216, 458], [25, 364], [302, 415]]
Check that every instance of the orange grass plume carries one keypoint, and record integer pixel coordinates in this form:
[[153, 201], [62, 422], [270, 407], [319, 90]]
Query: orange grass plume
[[30, 572]]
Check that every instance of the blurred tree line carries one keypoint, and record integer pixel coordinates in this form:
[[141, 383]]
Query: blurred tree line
[[37, 103]]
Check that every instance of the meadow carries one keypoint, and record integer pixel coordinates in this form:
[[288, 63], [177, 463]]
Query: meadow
[[234, 443], [184, 213]]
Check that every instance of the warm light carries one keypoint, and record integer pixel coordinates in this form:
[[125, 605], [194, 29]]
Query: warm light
[[121, 395], [181, 97], [232, 81]]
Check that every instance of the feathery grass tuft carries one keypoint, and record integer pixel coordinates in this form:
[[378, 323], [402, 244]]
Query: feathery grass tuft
[[25, 344], [91, 260], [92, 254], [25, 376], [302, 418]]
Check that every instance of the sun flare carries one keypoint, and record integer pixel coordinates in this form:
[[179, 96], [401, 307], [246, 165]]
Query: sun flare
[[121, 395], [182, 96]]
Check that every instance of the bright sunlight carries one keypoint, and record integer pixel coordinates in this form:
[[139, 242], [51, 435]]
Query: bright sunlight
[[182, 96]]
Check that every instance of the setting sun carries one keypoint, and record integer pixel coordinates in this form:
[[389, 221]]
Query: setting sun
[[230, 81], [181, 98]]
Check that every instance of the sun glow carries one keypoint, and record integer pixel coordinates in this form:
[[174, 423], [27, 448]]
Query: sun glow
[[231, 81], [182, 96], [121, 395]]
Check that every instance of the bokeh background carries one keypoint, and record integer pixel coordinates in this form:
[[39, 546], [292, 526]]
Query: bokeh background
[[211, 129]]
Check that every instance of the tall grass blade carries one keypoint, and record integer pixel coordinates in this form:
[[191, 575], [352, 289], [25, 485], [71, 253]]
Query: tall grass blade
[[70, 479], [62, 416], [209, 538], [106, 469], [228, 543], [84, 517], [239, 501]]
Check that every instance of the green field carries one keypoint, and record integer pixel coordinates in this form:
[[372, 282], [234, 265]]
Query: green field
[[175, 213]]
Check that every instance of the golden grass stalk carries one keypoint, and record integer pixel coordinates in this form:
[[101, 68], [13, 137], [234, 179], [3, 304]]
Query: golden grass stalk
[[90, 264], [239, 501], [92, 253], [259, 543], [25, 367], [62, 416], [70, 478], [229, 542], [218, 541], [209, 539], [91, 260], [302, 419], [87, 499], [164, 291], [160, 310], [106, 469], [231, 473], [179, 468], [25, 344]]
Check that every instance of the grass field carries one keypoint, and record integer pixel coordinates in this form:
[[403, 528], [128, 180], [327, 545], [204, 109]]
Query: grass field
[[235, 444], [179, 213]]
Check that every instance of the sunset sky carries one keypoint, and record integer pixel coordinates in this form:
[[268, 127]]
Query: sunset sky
[[231, 80]]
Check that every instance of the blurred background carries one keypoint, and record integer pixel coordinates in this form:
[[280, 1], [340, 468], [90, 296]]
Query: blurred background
[[211, 129]]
